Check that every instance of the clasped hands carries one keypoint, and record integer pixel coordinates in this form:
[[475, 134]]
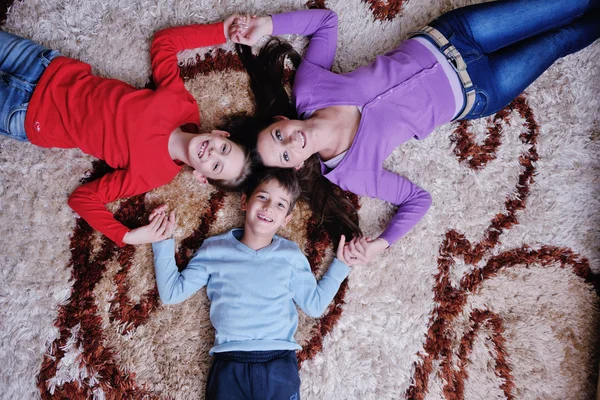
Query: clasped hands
[[247, 29]]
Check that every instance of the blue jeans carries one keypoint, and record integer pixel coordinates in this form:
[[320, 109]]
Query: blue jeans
[[508, 44], [260, 375], [22, 63]]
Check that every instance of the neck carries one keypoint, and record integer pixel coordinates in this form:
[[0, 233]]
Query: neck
[[336, 128], [254, 241], [178, 145]]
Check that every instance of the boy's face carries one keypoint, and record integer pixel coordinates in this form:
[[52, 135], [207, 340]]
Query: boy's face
[[214, 156], [266, 209]]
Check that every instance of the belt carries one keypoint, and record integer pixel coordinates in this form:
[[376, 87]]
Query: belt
[[457, 62]]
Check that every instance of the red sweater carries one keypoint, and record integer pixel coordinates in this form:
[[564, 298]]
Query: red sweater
[[112, 120]]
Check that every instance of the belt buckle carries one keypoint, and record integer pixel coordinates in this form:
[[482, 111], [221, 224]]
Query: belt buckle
[[455, 59]]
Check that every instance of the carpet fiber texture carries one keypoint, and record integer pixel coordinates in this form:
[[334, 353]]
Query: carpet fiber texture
[[493, 295]]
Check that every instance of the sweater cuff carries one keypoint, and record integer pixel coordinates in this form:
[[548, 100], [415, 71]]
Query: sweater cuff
[[338, 270], [164, 249]]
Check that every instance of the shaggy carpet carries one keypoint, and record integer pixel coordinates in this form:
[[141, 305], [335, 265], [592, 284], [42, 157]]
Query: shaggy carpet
[[493, 295]]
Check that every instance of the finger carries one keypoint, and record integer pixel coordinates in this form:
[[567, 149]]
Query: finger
[[340, 249], [155, 222], [156, 211], [350, 259], [163, 225], [351, 245], [360, 244]]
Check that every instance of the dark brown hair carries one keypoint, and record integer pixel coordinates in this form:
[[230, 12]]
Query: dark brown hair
[[286, 177], [270, 87]]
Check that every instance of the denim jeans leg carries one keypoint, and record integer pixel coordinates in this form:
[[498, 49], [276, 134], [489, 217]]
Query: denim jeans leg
[[516, 67], [508, 44], [22, 63], [490, 26]]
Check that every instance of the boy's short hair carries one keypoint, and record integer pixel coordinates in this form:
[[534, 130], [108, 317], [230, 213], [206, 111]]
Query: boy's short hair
[[287, 178]]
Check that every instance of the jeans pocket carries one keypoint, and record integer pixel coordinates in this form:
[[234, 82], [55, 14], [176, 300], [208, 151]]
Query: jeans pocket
[[47, 56], [13, 125]]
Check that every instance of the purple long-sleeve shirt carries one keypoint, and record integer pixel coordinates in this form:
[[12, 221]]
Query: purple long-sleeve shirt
[[404, 94]]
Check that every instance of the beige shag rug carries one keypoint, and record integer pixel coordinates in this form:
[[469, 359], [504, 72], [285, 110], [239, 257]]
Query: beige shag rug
[[493, 295]]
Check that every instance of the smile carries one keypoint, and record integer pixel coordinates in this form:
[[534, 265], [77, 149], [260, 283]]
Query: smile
[[302, 139], [264, 218], [202, 148]]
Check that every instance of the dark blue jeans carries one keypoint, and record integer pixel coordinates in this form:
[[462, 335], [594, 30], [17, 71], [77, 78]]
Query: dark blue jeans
[[508, 44], [22, 63], [254, 375]]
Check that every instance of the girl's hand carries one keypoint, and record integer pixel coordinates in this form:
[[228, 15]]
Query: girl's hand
[[161, 227], [373, 248], [249, 30]]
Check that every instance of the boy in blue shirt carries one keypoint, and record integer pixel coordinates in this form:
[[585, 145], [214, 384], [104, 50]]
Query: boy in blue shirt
[[253, 278]]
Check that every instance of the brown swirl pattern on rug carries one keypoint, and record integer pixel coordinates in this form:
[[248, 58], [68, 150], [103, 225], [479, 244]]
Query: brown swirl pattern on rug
[[385, 10], [439, 345]]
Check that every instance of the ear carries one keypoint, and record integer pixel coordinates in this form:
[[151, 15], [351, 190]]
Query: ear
[[220, 133], [280, 118], [244, 204], [297, 167], [200, 178], [286, 220]]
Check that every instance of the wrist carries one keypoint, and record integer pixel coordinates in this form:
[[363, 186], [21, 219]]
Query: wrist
[[267, 23]]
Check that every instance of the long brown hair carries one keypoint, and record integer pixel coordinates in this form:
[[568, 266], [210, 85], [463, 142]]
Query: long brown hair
[[270, 87]]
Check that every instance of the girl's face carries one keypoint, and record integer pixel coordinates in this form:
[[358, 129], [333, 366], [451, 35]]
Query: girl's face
[[286, 143], [214, 156]]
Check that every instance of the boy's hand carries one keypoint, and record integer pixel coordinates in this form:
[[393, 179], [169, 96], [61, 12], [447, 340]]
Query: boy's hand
[[161, 227], [249, 30], [351, 253]]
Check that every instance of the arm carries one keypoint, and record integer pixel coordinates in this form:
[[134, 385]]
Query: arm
[[168, 42], [312, 297], [412, 201], [89, 201], [320, 25], [174, 286]]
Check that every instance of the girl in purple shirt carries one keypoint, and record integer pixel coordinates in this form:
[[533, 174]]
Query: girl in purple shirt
[[468, 63]]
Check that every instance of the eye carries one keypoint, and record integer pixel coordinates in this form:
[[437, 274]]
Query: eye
[[224, 148], [286, 156], [215, 166], [278, 135], [260, 196], [281, 205]]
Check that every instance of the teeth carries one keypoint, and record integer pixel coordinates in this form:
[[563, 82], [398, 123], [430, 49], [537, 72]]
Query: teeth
[[302, 140], [202, 148], [265, 218]]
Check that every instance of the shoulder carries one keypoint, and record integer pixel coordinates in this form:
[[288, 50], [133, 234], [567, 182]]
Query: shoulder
[[290, 252]]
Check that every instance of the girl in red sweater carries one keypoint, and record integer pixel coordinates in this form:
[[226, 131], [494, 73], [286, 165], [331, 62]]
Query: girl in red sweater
[[145, 135]]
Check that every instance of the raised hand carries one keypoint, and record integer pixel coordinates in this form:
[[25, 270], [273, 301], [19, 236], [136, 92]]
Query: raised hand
[[248, 30], [161, 227]]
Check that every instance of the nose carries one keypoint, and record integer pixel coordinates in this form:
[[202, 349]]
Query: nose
[[293, 141]]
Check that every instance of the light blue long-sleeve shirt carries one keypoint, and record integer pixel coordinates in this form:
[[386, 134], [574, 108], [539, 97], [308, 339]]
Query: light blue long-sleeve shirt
[[252, 293]]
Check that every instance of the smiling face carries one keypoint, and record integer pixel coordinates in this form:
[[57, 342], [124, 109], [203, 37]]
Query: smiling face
[[286, 143], [267, 209], [214, 156]]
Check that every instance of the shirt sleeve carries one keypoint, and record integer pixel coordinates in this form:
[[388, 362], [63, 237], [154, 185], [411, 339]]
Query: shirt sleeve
[[412, 201], [89, 201], [174, 286], [168, 42], [312, 297], [320, 25]]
